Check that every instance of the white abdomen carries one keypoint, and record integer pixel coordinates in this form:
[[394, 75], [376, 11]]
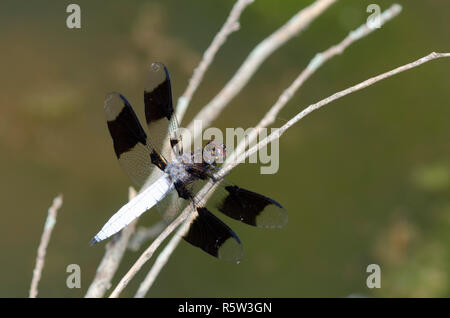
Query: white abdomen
[[133, 209]]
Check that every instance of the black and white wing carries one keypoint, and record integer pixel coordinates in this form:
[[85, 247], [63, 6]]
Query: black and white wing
[[209, 233], [159, 112], [249, 207], [137, 154], [213, 236], [134, 150]]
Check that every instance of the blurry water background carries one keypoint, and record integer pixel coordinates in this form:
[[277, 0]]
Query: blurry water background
[[365, 180]]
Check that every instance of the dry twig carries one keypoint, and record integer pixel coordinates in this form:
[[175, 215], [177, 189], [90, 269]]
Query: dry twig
[[277, 134], [257, 56], [231, 25], [148, 253], [144, 234], [45, 239], [318, 60]]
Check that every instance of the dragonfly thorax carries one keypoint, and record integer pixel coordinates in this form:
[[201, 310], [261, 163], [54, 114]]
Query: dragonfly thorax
[[177, 172]]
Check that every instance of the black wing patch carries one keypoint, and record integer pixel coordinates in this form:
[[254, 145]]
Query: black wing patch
[[158, 94], [131, 145], [251, 208], [123, 124], [214, 237], [159, 111]]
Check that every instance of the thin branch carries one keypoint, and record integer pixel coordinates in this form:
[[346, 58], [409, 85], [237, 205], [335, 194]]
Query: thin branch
[[231, 25], [148, 253], [277, 134], [318, 60], [165, 254], [268, 119], [144, 234], [209, 187], [161, 260], [257, 56], [45, 239], [115, 249]]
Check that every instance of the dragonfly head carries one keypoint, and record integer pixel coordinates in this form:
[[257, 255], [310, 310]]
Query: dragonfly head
[[214, 152]]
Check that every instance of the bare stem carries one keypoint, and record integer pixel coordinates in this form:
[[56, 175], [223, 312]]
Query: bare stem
[[277, 134], [231, 25], [146, 255], [318, 60], [257, 56], [144, 234], [186, 215], [160, 261], [45, 239], [115, 249], [165, 254]]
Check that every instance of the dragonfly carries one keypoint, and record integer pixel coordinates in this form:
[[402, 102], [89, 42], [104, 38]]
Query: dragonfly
[[178, 173]]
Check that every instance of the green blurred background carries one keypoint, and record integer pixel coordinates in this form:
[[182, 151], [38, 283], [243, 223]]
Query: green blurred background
[[365, 180]]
